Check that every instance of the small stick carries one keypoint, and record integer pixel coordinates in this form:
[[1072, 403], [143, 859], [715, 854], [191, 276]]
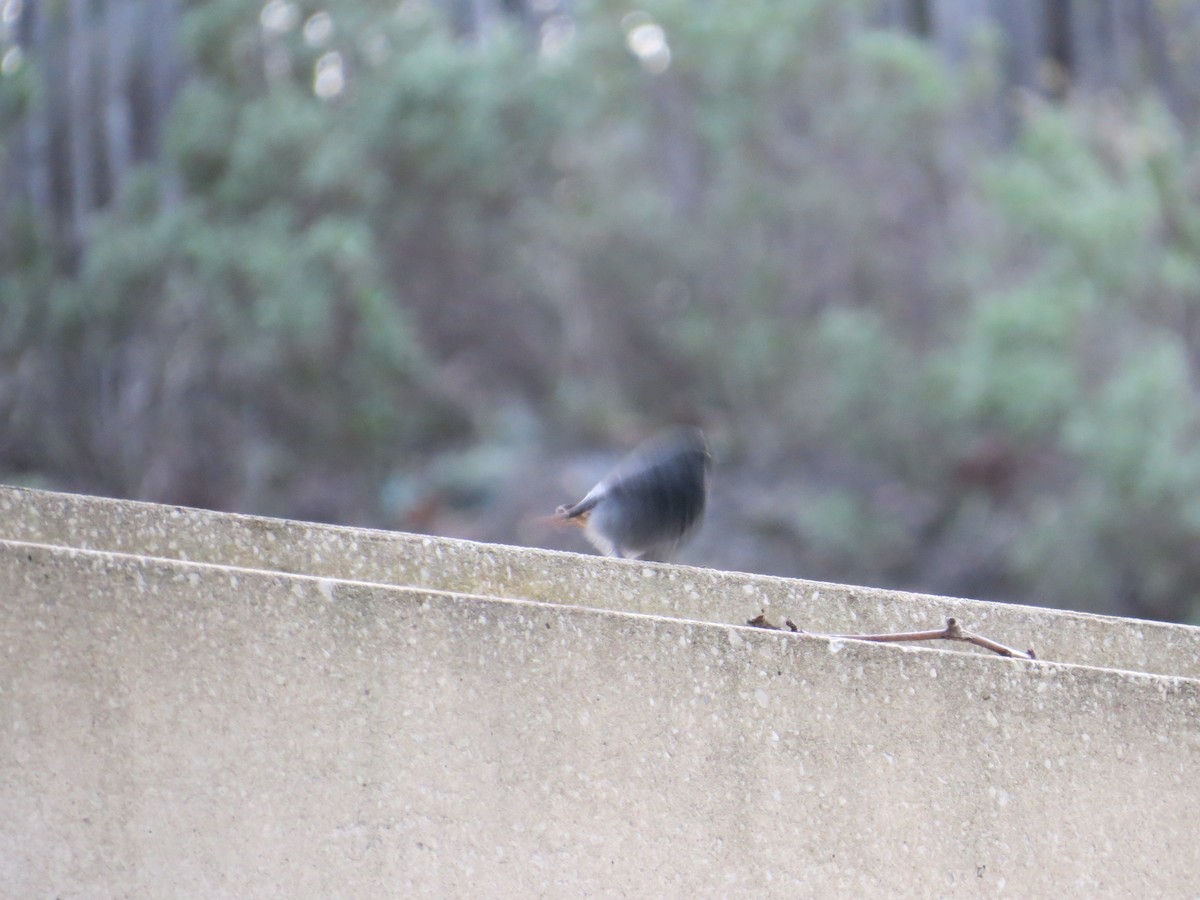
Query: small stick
[[952, 632]]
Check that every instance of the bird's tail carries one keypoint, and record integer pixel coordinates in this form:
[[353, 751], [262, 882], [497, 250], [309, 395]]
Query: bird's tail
[[572, 515]]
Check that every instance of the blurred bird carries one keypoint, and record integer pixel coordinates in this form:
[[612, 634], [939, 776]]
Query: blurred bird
[[650, 502]]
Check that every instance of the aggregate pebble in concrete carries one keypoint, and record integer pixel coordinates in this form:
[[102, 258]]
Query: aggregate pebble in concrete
[[193, 730]]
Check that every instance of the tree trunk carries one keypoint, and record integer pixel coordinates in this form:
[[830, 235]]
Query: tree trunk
[[166, 74], [34, 34], [119, 22], [79, 125]]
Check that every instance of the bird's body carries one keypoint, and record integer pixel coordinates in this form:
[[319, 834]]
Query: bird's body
[[651, 501]]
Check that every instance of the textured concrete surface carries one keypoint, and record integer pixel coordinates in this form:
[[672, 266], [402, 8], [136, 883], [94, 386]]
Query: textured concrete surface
[[172, 729], [488, 569]]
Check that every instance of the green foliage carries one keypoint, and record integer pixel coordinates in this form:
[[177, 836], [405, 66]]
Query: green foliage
[[981, 362], [1075, 351], [1013, 368]]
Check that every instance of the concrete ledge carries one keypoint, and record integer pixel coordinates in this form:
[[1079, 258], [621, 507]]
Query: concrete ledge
[[488, 569], [181, 729]]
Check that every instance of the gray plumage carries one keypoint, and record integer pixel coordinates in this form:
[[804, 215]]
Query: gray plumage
[[648, 505]]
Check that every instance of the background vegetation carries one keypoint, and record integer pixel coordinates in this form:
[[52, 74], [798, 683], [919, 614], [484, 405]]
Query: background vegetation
[[399, 266]]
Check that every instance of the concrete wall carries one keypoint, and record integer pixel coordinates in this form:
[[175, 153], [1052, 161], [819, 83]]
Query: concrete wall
[[174, 728], [493, 570]]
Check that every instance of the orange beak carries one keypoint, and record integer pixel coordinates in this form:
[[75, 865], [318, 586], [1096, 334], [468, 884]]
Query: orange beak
[[560, 517]]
